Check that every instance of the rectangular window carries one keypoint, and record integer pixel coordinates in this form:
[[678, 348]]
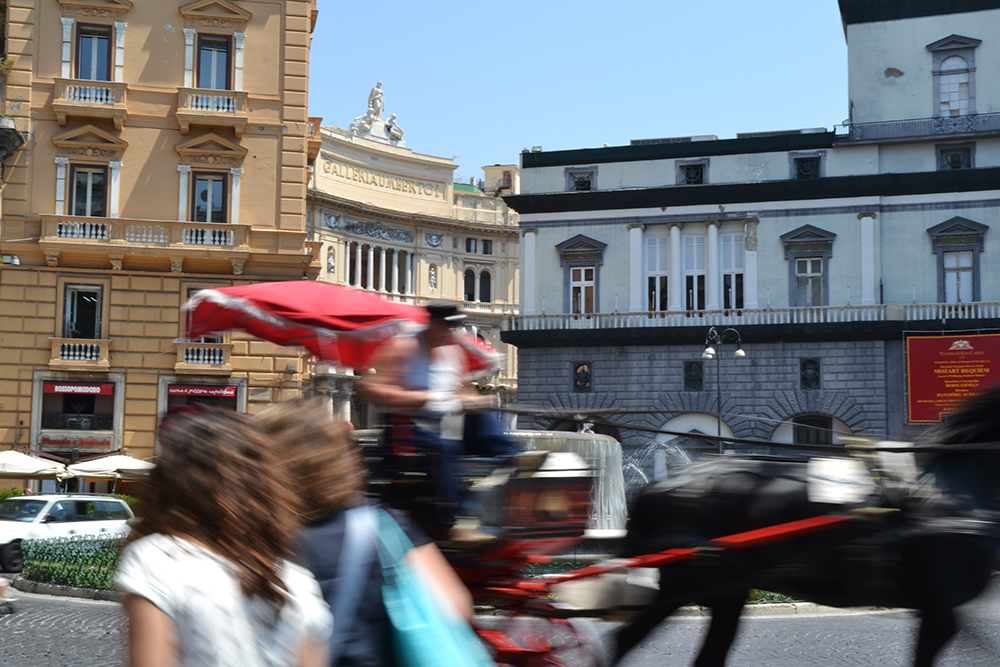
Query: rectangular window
[[809, 281], [958, 277], [88, 191], [487, 247], [954, 158], [93, 53], [82, 313], [209, 198], [694, 272], [732, 271], [581, 286], [813, 430], [693, 174], [470, 245], [657, 258], [807, 168], [581, 181], [213, 62]]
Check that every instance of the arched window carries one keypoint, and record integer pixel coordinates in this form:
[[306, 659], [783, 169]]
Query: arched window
[[470, 285], [485, 287], [954, 86]]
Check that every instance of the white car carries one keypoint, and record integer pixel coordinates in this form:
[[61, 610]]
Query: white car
[[56, 515]]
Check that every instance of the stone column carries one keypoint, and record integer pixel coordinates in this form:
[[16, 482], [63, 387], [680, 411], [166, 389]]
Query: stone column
[[676, 272], [116, 168], [395, 271], [411, 274], [713, 272], [67, 47], [357, 264], [347, 262], [120, 50], [182, 199], [750, 265], [189, 34], [381, 271], [636, 289], [238, 39], [475, 289], [528, 271], [371, 266], [234, 204], [867, 258], [61, 164]]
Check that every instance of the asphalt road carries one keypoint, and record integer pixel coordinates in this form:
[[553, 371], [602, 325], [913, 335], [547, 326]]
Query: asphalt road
[[65, 632]]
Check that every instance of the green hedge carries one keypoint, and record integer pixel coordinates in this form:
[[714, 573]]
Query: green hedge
[[9, 493], [83, 561]]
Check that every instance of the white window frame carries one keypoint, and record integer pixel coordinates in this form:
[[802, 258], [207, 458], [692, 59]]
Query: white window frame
[[90, 169], [578, 285], [959, 278], [657, 258], [733, 285], [814, 280], [694, 258], [70, 310]]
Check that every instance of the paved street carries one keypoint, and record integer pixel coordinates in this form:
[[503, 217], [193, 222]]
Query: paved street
[[64, 632]]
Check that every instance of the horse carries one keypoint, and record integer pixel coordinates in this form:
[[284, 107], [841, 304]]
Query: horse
[[929, 544]]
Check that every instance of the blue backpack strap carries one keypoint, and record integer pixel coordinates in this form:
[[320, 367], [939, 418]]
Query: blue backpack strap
[[356, 555]]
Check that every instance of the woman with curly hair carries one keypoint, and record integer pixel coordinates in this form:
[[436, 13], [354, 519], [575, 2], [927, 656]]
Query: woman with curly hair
[[208, 583], [330, 477]]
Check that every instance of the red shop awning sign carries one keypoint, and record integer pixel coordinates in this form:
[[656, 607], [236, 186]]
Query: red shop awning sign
[[91, 388], [201, 390]]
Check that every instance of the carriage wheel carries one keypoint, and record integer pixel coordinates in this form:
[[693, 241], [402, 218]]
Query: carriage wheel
[[553, 642]]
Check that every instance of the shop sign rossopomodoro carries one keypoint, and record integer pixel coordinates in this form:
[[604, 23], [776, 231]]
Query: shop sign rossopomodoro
[[941, 371]]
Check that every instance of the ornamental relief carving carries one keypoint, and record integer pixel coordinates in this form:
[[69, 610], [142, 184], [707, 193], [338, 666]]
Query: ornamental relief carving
[[582, 256], [815, 246], [331, 221], [219, 160], [971, 239], [750, 236], [94, 12], [216, 24], [377, 230], [92, 152], [433, 240]]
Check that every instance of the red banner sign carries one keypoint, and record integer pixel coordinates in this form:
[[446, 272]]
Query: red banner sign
[[93, 388], [941, 371], [201, 390]]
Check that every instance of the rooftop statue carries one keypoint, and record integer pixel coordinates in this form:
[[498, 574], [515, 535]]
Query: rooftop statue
[[373, 126]]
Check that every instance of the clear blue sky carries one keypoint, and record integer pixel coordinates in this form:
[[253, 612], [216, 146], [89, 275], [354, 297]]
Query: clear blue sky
[[477, 81]]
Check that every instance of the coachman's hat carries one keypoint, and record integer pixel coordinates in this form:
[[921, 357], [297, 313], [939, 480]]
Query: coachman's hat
[[447, 311]]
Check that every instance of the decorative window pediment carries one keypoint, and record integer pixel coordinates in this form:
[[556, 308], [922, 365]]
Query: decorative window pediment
[[581, 249], [217, 14], [952, 42], [90, 141], [101, 9], [211, 149], [958, 231], [808, 238]]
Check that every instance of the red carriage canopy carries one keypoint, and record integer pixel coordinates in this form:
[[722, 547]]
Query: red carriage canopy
[[334, 323]]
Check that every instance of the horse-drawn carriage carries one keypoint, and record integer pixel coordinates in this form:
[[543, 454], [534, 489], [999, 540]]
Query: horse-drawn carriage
[[714, 531]]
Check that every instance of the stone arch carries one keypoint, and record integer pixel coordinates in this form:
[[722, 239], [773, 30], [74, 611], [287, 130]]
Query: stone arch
[[840, 404]]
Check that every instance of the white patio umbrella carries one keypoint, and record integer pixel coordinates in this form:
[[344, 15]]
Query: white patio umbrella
[[20, 465], [117, 466]]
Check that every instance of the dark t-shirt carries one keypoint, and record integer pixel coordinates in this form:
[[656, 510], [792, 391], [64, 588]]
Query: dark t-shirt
[[367, 639]]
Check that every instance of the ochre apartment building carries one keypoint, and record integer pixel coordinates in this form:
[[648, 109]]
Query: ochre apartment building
[[167, 151]]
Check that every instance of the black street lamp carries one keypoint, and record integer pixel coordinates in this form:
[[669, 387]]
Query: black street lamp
[[716, 339]]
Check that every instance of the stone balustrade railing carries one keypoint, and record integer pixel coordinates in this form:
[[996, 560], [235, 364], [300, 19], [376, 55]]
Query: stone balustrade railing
[[164, 233]]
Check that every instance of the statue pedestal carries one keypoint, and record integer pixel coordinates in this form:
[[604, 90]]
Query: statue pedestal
[[379, 131]]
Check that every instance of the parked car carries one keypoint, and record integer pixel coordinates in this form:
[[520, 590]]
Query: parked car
[[56, 515]]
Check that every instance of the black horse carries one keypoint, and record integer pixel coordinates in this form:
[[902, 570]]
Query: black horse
[[929, 546]]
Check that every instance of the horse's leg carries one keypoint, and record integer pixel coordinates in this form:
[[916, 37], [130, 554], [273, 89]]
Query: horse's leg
[[632, 634], [722, 630], [937, 626]]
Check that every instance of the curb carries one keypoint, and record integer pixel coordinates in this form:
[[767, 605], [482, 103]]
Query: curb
[[28, 586]]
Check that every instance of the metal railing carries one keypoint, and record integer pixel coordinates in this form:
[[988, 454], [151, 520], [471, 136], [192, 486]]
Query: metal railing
[[923, 127], [77, 422], [767, 316]]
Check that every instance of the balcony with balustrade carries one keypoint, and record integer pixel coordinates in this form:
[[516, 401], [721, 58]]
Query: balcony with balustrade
[[121, 236], [90, 99], [313, 139], [201, 106], [944, 127], [203, 358], [77, 354]]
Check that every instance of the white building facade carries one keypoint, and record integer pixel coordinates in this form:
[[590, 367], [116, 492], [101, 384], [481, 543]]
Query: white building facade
[[829, 252]]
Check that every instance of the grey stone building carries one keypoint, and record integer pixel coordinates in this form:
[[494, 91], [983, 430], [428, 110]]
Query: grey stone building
[[856, 267]]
